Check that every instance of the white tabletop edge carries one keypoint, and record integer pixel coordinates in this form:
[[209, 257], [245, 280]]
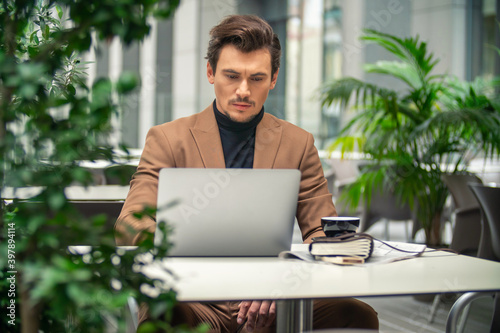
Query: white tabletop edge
[[227, 279]]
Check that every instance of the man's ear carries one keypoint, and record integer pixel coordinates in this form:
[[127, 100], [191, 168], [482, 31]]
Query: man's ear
[[210, 73], [274, 79]]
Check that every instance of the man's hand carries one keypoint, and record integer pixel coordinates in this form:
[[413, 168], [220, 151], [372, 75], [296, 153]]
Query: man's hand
[[258, 313]]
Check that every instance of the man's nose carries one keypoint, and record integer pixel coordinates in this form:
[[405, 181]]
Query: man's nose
[[243, 90]]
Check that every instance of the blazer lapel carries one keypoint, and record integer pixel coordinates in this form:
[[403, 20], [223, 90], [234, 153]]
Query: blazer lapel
[[207, 138], [267, 142]]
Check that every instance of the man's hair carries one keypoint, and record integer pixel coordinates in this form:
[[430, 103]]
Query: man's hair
[[247, 33]]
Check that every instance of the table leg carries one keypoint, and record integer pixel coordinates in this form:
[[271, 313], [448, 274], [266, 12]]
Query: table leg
[[294, 316]]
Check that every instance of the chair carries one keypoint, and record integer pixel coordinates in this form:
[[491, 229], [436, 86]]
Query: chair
[[344, 172], [89, 208], [98, 176], [112, 210], [489, 248], [489, 200], [384, 205], [467, 221], [132, 317], [467, 213]]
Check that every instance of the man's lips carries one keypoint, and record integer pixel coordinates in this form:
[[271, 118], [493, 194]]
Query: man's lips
[[242, 106]]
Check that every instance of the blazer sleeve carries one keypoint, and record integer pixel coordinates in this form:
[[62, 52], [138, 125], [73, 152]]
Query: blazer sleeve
[[157, 154], [315, 201]]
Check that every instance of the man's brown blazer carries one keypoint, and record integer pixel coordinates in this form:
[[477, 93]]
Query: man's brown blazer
[[194, 142]]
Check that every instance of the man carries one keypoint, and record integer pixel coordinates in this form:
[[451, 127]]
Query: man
[[235, 132]]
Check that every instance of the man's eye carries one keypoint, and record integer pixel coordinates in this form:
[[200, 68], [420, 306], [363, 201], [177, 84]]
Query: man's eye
[[232, 77], [257, 79]]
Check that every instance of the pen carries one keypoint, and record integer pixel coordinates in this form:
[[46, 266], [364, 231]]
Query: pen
[[339, 260]]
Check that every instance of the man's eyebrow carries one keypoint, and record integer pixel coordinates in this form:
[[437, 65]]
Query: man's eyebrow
[[232, 71]]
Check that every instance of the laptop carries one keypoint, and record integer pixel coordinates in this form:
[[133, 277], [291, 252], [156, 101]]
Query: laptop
[[227, 212]]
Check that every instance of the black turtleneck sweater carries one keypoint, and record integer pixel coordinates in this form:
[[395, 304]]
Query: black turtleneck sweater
[[238, 139]]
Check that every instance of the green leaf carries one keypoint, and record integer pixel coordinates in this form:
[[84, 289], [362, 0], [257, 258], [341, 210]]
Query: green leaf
[[147, 327], [34, 38], [43, 27], [49, 240], [403, 71], [71, 89], [35, 222], [77, 293], [28, 91], [56, 200], [127, 82], [33, 51], [59, 11], [46, 32]]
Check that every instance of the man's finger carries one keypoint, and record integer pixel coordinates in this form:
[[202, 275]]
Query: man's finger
[[252, 315], [272, 314], [242, 314], [263, 317]]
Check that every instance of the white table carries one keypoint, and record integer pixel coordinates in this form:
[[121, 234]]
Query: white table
[[80, 193], [294, 283]]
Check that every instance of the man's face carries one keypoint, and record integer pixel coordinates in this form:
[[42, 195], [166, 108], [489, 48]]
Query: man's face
[[242, 82]]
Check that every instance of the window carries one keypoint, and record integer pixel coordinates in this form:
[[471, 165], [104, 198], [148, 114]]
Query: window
[[483, 38], [490, 39], [332, 67]]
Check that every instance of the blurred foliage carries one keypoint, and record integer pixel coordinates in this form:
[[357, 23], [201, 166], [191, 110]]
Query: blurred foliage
[[430, 125], [119, 174], [49, 121]]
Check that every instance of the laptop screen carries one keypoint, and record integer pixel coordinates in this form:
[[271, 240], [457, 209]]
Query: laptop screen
[[227, 212]]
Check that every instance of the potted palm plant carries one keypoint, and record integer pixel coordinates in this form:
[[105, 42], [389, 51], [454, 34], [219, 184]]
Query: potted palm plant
[[432, 125]]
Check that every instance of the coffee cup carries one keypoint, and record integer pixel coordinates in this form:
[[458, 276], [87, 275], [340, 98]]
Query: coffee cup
[[334, 226]]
